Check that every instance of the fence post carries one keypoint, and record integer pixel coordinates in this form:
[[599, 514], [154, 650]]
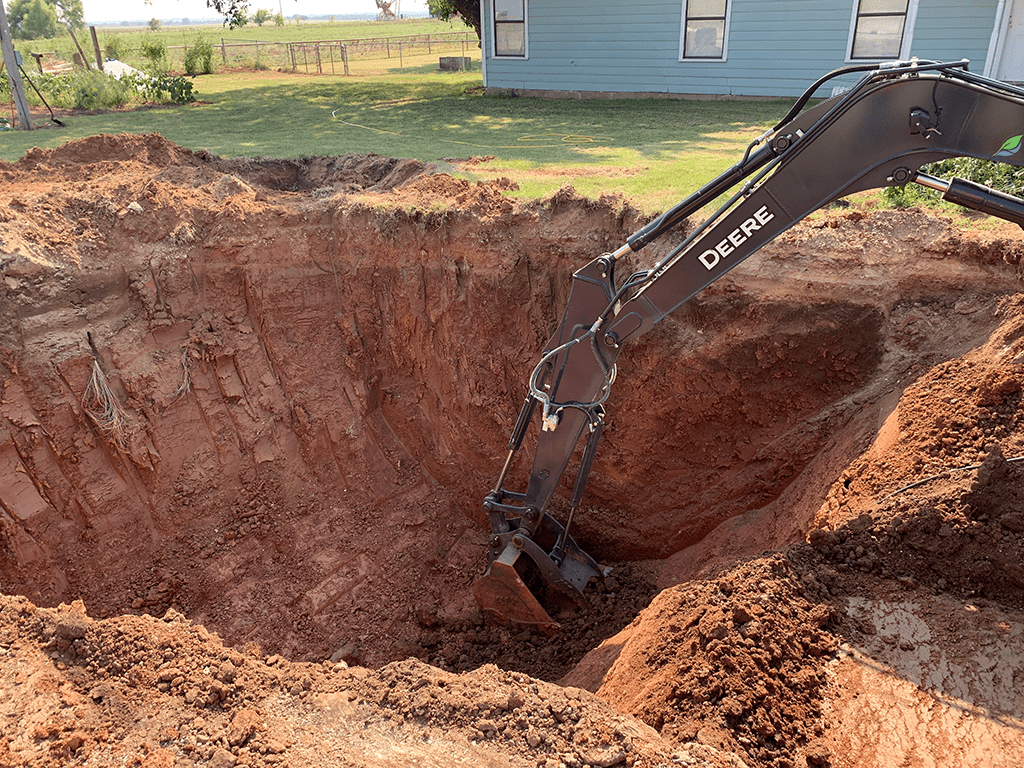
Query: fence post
[[224, 51], [319, 63], [291, 50], [344, 57], [96, 46], [85, 60]]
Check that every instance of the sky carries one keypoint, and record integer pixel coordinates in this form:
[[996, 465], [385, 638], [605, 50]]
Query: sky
[[126, 10]]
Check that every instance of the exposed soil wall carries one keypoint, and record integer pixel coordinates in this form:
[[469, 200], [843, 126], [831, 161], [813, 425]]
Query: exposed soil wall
[[270, 396]]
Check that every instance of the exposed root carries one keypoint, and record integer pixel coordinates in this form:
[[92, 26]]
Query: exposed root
[[104, 410], [186, 377]]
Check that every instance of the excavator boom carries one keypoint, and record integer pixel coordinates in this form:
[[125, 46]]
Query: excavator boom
[[896, 119]]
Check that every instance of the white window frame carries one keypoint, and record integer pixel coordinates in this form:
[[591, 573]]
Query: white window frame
[[703, 59], [908, 34], [526, 34]]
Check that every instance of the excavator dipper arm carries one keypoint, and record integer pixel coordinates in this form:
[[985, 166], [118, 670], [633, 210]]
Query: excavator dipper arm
[[896, 119]]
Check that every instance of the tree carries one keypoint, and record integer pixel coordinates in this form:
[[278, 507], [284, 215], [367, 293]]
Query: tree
[[261, 17], [30, 19], [71, 12], [235, 12], [468, 10], [279, 19], [154, 24]]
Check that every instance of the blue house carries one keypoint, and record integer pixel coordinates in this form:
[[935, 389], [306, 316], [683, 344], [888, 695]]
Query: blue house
[[776, 48]]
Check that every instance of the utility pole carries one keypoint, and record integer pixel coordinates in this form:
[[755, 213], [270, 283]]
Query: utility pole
[[13, 73]]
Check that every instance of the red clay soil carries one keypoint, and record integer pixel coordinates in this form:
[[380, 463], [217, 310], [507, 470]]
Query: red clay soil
[[249, 410]]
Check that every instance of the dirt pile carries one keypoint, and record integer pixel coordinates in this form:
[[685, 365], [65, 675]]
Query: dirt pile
[[141, 691], [895, 634], [265, 399]]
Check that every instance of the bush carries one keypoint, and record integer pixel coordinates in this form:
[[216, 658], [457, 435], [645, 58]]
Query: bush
[[81, 89], [156, 52], [199, 58], [84, 89], [168, 89], [1001, 176], [116, 48]]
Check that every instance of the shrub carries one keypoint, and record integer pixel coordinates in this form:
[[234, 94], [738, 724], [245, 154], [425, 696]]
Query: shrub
[[156, 52], [116, 48], [81, 89], [199, 58], [84, 89], [173, 89], [1005, 178]]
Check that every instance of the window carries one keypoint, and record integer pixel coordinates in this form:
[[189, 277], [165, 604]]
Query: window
[[510, 28], [704, 29], [879, 28]]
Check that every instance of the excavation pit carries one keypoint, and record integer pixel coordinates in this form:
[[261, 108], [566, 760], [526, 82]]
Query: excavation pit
[[267, 397]]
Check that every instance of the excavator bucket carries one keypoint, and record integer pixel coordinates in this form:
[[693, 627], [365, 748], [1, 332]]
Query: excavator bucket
[[527, 583], [502, 594]]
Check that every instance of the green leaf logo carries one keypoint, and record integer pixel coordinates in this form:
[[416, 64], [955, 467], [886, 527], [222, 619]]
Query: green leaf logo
[[1010, 147]]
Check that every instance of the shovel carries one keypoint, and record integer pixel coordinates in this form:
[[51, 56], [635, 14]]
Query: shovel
[[52, 118]]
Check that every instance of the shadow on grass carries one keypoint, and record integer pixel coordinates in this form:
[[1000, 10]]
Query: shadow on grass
[[436, 117]]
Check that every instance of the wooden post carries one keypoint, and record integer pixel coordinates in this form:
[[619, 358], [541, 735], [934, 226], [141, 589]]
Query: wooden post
[[13, 73], [224, 51], [291, 50], [85, 59], [96, 47], [344, 57]]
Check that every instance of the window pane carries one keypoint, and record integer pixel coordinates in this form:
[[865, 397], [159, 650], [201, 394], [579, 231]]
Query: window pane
[[883, 6], [508, 10], [878, 37], [510, 39], [704, 39], [705, 8]]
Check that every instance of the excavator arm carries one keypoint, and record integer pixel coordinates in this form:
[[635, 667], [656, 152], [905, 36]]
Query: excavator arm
[[896, 119]]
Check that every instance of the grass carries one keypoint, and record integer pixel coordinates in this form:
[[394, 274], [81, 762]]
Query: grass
[[653, 150]]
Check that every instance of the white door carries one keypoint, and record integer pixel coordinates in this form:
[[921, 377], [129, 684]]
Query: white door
[[1011, 66]]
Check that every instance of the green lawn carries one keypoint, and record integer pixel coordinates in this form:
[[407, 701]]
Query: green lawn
[[654, 150]]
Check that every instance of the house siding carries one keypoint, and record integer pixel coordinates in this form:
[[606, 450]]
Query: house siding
[[774, 49], [936, 38]]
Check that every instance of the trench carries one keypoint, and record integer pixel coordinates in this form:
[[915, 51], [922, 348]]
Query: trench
[[317, 377]]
